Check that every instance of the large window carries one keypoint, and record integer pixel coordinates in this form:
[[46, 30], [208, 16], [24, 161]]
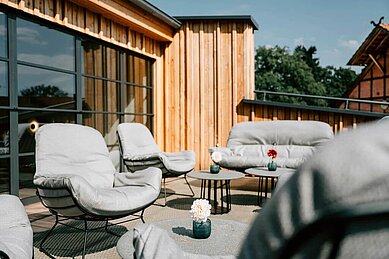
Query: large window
[[62, 77]]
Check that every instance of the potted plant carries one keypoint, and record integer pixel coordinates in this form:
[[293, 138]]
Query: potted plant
[[200, 211]]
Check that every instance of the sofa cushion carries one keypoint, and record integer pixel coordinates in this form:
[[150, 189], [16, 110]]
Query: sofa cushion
[[87, 157], [285, 132]]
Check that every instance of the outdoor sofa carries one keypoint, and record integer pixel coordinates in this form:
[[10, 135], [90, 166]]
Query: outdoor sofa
[[336, 205], [15, 230], [249, 142]]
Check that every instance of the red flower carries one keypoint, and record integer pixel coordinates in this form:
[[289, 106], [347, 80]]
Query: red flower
[[272, 153]]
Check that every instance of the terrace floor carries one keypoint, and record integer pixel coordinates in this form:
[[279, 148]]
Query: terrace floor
[[67, 243]]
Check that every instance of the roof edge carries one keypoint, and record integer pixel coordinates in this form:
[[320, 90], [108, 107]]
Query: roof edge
[[155, 11], [219, 17]]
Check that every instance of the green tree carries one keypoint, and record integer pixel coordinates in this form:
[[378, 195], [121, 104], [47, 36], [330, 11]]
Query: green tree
[[44, 90], [279, 71], [276, 69]]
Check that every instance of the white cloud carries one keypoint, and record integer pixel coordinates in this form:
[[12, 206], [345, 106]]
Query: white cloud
[[298, 41], [349, 44], [61, 61], [268, 46], [30, 36]]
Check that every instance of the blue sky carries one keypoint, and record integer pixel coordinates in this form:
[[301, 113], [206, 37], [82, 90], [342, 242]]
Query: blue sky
[[336, 27]]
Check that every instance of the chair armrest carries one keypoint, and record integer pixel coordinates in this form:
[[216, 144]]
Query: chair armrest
[[150, 176], [181, 155], [150, 156], [225, 151]]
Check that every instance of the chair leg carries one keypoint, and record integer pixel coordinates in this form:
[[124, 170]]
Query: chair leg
[[190, 187], [164, 188], [141, 215], [48, 233], [85, 236]]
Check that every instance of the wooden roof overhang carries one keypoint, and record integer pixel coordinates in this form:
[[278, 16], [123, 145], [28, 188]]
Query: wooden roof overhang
[[138, 15], [373, 47]]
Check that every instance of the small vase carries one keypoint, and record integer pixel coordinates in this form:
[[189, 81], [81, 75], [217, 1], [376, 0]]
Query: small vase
[[202, 229], [214, 169], [272, 166]]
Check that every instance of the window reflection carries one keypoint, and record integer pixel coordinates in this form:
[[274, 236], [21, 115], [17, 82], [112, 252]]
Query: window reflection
[[41, 45], [3, 35], [4, 132], [4, 175], [100, 61], [137, 70], [3, 84], [137, 99], [101, 95], [45, 89]]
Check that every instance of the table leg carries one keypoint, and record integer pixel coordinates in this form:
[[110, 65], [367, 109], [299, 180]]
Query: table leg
[[266, 181], [202, 189], [221, 197], [215, 195], [228, 191]]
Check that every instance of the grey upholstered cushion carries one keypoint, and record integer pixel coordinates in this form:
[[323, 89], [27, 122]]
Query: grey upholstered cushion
[[281, 132], [15, 229], [136, 141], [295, 141], [74, 160], [72, 149], [140, 151], [350, 171]]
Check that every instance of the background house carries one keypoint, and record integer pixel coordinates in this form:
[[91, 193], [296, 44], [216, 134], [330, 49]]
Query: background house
[[373, 82]]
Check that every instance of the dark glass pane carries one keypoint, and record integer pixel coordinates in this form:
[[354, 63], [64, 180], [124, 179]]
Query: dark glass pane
[[4, 132], [137, 100], [3, 84], [30, 121], [26, 175], [100, 61], [4, 175], [137, 70], [41, 45], [143, 119], [3, 35], [45, 89], [105, 123], [101, 95]]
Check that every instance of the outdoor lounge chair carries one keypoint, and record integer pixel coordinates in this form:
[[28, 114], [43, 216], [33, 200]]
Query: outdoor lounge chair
[[336, 205], [15, 229], [76, 179], [140, 151]]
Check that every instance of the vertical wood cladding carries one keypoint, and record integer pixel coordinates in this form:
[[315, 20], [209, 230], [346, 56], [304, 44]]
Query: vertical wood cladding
[[210, 70]]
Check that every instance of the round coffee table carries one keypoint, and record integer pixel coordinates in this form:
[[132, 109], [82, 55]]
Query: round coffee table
[[263, 177], [226, 237], [220, 181]]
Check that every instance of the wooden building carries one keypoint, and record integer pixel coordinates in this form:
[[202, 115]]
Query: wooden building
[[373, 82], [100, 63]]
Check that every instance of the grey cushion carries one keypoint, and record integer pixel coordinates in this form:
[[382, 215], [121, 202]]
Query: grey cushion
[[139, 150], [352, 170], [74, 160], [296, 141], [16, 234]]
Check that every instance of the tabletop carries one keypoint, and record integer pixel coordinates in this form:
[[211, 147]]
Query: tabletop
[[264, 172], [222, 175]]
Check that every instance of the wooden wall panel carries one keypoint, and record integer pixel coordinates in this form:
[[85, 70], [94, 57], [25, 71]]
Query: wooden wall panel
[[206, 81]]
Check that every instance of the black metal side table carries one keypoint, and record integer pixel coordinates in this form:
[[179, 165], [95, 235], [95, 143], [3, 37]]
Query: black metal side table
[[264, 175], [220, 182]]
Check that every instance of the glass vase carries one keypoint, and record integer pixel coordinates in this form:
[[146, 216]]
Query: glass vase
[[272, 166], [201, 229], [214, 169]]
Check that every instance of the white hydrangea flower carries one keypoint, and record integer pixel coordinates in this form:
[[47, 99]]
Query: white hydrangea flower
[[200, 210], [216, 157]]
